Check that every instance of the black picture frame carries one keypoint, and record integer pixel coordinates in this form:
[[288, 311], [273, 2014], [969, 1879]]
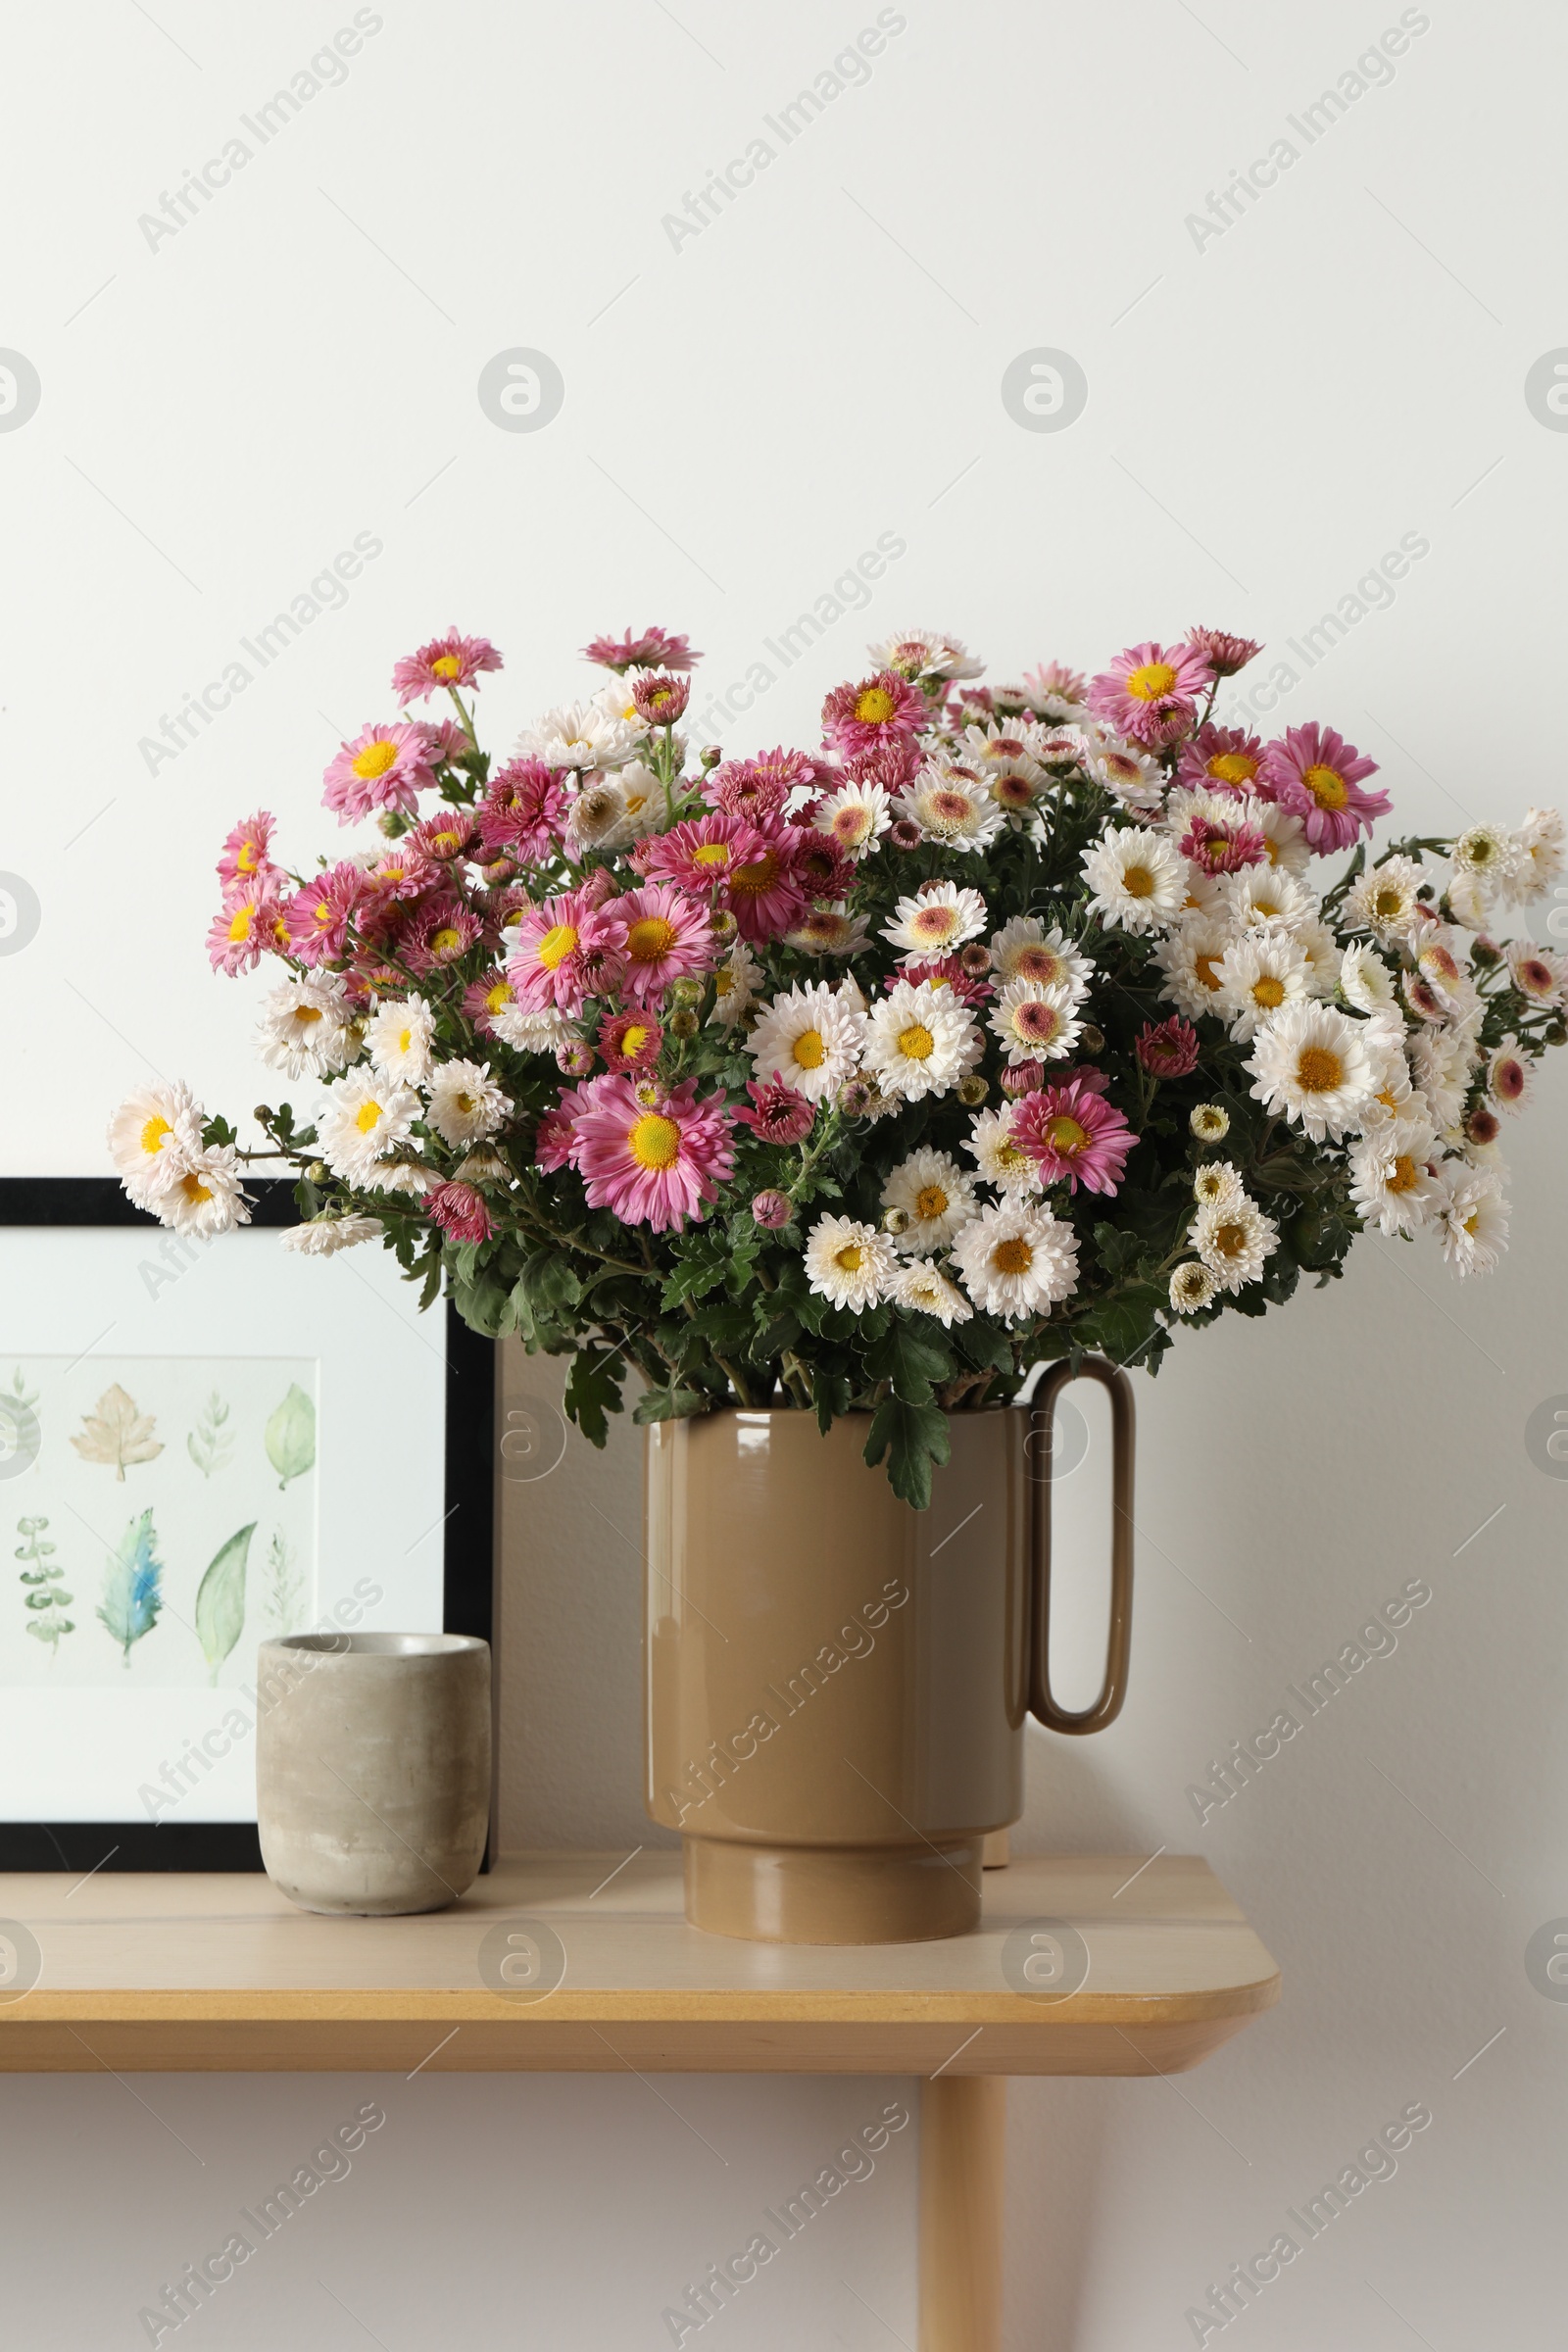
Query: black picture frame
[[467, 1539]]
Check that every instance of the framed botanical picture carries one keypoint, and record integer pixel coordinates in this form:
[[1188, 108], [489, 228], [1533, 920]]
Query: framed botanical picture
[[203, 1444]]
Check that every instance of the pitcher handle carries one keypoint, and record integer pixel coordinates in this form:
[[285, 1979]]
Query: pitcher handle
[[1107, 1706]]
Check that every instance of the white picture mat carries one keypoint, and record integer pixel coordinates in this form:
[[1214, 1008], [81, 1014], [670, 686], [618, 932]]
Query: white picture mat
[[69, 1292]]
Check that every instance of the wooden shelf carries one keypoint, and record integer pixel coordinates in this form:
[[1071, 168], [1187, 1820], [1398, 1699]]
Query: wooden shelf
[[190, 1973]]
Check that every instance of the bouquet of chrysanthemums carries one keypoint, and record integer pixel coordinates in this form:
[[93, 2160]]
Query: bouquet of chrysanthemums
[[1003, 1025]]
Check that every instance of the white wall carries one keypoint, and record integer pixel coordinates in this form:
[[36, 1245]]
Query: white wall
[[743, 415]]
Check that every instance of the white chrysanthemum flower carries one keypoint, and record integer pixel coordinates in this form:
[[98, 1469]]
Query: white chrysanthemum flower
[[1210, 1123], [1440, 1064], [153, 1137], [1366, 982], [465, 1105], [1386, 901], [849, 1263], [919, 1039], [205, 1197], [1391, 1179], [735, 985], [306, 1027], [1136, 880], [936, 921], [850, 991], [1216, 1184], [855, 817], [936, 1196], [919, 654], [1537, 856], [1472, 1218], [403, 1178], [809, 1037], [1137, 780], [1036, 1024], [325, 1237], [926, 1289], [1193, 1287], [397, 1039], [1006, 754], [1510, 1081], [1321, 954], [1539, 973], [953, 805], [599, 816], [582, 735], [532, 1032], [1024, 950], [368, 1115], [1310, 1062], [1017, 1259], [1284, 834], [1264, 898], [1002, 1161], [1258, 973], [1235, 1240], [830, 931], [1190, 957], [1488, 856], [1384, 1035], [615, 700]]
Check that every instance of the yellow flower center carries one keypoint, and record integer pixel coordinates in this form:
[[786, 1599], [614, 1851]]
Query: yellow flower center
[[446, 665], [465, 1103], [323, 911], [654, 1142], [634, 1038], [757, 877], [446, 941], [1387, 903], [1138, 882], [152, 1134], [249, 858], [374, 761], [874, 706], [930, 1201], [1012, 1257], [723, 982], [917, 1042], [809, 1051], [649, 940], [1233, 768], [367, 1116], [1403, 1176], [1230, 1240], [556, 945], [711, 853], [1152, 681], [304, 1014], [1203, 971], [1327, 786], [849, 1259], [498, 998], [194, 1191], [240, 921], [934, 922], [1010, 1155], [1319, 1070], [1470, 1222], [1268, 992], [1065, 1134]]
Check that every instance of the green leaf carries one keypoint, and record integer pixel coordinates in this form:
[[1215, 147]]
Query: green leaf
[[912, 1437], [220, 1599], [670, 1405], [290, 1436], [984, 1344], [593, 1390], [1123, 1326], [911, 1364]]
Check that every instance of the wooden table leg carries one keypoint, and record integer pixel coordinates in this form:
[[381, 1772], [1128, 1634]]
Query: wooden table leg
[[962, 2134]]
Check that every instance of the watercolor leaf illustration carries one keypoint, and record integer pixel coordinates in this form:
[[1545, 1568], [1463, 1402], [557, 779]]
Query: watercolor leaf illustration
[[115, 1432], [49, 1600], [131, 1596], [284, 1591], [19, 1396], [220, 1599], [209, 1443], [290, 1437]]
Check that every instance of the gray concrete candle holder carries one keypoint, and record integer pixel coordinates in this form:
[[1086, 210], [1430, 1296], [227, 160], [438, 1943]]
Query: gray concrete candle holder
[[372, 1768]]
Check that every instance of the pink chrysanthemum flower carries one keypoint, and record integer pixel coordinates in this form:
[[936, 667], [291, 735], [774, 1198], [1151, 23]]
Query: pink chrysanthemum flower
[[817, 865], [243, 856], [660, 697], [318, 914], [399, 872], [443, 932], [484, 999], [1225, 654], [699, 854], [630, 1040], [766, 896], [445, 738], [443, 837], [1218, 847], [566, 951], [1052, 684], [1072, 1133], [950, 971], [1168, 1049], [860, 717], [652, 1157], [758, 787], [383, 768], [655, 649], [243, 932], [554, 1142], [668, 937], [458, 1211], [446, 662], [1315, 772], [1150, 692], [523, 810], [894, 765], [1223, 760], [777, 1113]]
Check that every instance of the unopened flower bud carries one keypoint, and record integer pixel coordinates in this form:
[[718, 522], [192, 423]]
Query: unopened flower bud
[[972, 1090], [686, 991], [316, 1173], [1090, 1038], [904, 835], [1210, 1122], [683, 1023], [1484, 952], [1556, 1034], [976, 959], [1483, 1126], [576, 1060], [723, 924], [896, 1220], [1021, 1078], [855, 1098], [711, 754], [772, 1210]]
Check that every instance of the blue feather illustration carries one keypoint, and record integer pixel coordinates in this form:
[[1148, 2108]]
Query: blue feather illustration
[[131, 1597]]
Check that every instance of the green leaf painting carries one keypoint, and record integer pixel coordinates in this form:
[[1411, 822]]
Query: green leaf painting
[[48, 1601], [290, 1438], [211, 1443], [131, 1597], [220, 1600], [284, 1594]]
